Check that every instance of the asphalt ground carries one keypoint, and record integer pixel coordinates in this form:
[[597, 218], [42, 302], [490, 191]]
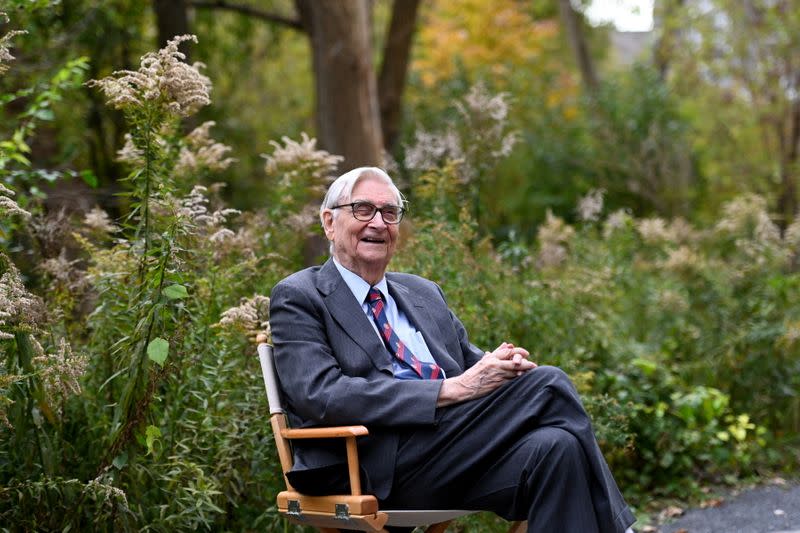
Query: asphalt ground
[[768, 508]]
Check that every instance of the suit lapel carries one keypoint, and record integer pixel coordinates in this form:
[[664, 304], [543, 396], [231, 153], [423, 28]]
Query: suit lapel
[[417, 311], [351, 318]]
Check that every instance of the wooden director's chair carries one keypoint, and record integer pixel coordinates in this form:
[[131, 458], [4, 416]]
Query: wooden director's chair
[[331, 513]]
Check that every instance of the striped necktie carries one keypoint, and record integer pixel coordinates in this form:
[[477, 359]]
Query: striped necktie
[[393, 342]]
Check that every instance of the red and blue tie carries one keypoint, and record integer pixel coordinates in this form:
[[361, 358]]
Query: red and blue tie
[[393, 342]]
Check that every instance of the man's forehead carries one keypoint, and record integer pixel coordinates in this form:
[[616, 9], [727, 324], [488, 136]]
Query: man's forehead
[[373, 191], [373, 200]]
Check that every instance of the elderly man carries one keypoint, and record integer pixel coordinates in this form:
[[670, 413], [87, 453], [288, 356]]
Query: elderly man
[[450, 426]]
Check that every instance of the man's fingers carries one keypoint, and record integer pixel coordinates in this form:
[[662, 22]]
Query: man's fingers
[[510, 367], [505, 363], [510, 353]]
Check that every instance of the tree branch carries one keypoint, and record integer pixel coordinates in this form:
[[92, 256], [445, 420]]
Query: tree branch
[[394, 69], [572, 23], [247, 10]]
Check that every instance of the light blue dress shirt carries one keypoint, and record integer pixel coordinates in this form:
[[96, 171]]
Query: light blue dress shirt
[[397, 319]]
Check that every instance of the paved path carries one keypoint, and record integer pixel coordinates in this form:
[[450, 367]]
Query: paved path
[[770, 508]]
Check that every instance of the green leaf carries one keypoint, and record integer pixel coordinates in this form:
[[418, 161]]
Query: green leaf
[[120, 461], [157, 350], [175, 292], [647, 366], [151, 434], [89, 178], [19, 158], [44, 114]]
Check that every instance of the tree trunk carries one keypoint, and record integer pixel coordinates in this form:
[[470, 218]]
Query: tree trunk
[[348, 116], [172, 19], [787, 201], [394, 69], [577, 39], [303, 8], [663, 48]]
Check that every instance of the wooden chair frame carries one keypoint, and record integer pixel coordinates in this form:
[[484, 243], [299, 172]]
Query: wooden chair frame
[[331, 513]]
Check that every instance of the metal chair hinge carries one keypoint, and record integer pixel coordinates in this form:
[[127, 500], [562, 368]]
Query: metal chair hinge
[[293, 508], [342, 511]]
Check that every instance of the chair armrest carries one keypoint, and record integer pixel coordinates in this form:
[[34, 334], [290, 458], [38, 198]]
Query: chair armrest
[[349, 433], [325, 433]]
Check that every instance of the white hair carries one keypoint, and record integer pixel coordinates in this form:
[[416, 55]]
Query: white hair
[[340, 190]]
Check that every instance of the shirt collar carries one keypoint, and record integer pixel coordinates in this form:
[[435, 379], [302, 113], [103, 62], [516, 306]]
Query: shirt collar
[[357, 285]]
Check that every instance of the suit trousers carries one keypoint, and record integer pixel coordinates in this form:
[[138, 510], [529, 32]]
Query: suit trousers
[[526, 451]]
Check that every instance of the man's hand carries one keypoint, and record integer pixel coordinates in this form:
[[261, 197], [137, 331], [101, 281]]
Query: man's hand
[[505, 363]]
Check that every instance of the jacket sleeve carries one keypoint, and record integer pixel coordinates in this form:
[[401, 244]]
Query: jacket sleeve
[[313, 382]]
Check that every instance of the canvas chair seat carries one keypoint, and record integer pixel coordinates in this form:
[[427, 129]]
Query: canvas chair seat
[[334, 512]]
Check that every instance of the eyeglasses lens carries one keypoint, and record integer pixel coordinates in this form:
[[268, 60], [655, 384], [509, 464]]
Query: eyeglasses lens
[[366, 211]]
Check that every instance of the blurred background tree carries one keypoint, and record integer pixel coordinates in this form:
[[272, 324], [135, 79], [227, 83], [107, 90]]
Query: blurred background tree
[[734, 68]]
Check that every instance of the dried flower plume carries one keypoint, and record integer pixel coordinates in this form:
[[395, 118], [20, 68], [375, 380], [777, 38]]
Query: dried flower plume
[[683, 260], [294, 159], [431, 149], [553, 237], [61, 371], [590, 206], [5, 43], [746, 219], [746, 216], [201, 152], [129, 153], [251, 316], [481, 115], [18, 307], [8, 205], [653, 230], [195, 208], [619, 219], [97, 220], [162, 79]]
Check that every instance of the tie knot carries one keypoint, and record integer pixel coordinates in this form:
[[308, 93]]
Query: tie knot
[[374, 295]]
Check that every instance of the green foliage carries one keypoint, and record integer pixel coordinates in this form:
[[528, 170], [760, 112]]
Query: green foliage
[[158, 422], [39, 110], [735, 74], [637, 145], [50, 504], [17, 132]]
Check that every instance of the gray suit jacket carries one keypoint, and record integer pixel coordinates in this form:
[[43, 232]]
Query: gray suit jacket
[[334, 370]]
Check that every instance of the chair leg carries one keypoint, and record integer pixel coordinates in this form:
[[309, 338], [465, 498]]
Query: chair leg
[[518, 527], [441, 527]]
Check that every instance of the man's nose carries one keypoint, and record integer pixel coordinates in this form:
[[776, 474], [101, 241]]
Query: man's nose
[[377, 221]]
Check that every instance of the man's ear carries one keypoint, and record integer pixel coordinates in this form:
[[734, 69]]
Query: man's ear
[[327, 224]]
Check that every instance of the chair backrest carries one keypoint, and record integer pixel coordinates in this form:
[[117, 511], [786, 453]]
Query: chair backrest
[[274, 398], [277, 415]]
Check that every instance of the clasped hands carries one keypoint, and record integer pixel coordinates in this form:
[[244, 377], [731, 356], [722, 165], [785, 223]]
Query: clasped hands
[[505, 363]]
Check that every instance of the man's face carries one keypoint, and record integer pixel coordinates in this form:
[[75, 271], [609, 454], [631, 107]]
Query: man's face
[[364, 247]]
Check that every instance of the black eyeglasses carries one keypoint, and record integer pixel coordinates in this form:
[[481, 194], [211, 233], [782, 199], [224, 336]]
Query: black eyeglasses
[[365, 211]]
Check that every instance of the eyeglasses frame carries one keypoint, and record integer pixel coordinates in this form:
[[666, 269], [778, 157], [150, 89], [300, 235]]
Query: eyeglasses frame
[[401, 211]]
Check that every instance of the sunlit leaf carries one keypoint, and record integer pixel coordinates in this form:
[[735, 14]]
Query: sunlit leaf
[[152, 433], [157, 350], [175, 292]]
